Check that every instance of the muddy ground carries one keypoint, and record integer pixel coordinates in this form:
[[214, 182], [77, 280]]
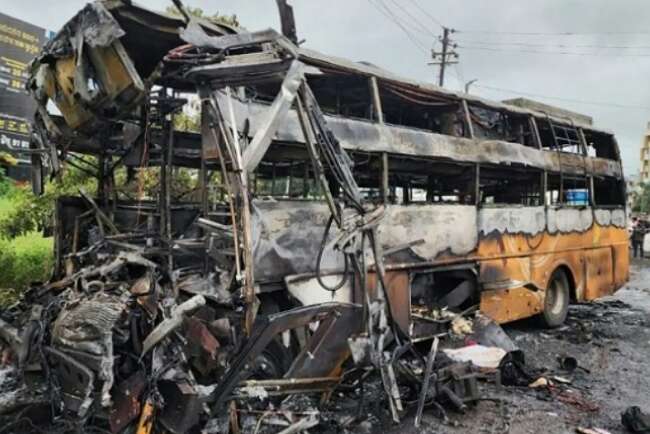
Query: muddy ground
[[610, 339]]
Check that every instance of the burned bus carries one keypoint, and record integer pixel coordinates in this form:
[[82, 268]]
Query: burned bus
[[325, 192]]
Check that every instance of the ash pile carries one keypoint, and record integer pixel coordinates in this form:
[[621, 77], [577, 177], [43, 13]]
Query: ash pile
[[225, 311]]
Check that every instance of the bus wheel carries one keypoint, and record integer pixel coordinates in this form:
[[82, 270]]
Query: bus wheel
[[556, 300]]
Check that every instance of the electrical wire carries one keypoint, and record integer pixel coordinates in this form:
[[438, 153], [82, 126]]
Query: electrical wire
[[570, 53], [415, 19], [319, 259], [426, 13], [458, 72], [406, 31], [577, 101], [492, 32], [528, 44]]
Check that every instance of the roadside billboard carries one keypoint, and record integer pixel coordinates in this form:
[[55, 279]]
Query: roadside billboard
[[20, 42]]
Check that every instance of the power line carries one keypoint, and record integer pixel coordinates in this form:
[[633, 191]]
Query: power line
[[396, 21], [404, 24], [419, 24], [425, 12], [527, 44], [558, 98], [490, 32], [569, 53], [459, 73]]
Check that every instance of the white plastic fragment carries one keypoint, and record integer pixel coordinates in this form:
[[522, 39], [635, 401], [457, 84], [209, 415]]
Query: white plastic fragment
[[479, 355]]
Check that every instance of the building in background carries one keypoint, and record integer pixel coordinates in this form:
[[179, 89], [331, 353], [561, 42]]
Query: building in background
[[644, 171], [19, 44], [633, 190]]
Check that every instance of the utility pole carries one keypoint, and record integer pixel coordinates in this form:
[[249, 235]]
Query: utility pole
[[446, 56]]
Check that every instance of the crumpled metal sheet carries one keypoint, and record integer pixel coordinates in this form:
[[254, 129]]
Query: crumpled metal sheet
[[275, 115], [93, 25], [97, 26], [287, 236], [195, 35], [205, 286], [87, 326]]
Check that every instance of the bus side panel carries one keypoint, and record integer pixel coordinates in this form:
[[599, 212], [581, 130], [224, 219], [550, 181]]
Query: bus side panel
[[618, 239], [621, 264], [600, 272], [504, 297], [559, 252], [505, 305]]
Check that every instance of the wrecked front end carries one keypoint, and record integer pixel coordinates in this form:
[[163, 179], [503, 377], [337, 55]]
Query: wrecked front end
[[211, 308]]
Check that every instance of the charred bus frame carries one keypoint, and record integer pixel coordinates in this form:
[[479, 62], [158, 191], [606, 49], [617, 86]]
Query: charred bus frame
[[332, 175], [412, 144]]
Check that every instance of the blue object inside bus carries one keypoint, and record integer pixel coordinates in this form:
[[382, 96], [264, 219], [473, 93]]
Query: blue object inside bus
[[578, 196]]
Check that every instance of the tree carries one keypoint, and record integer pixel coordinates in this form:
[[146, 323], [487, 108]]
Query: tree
[[30, 212], [230, 20], [642, 201]]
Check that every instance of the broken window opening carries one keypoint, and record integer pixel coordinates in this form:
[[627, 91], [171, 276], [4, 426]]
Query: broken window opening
[[568, 190], [494, 124], [343, 95], [600, 145], [292, 179], [405, 106], [368, 173], [415, 180], [510, 186], [609, 191], [561, 138]]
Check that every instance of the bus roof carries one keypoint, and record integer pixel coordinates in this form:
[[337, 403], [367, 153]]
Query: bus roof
[[319, 59]]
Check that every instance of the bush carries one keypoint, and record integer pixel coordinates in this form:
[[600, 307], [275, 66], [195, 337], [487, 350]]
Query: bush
[[29, 213], [25, 255], [6, 184], [23, 260], [7, 261], [34, 259]]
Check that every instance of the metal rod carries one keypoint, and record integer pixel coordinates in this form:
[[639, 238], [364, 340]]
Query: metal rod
[[425, 382]]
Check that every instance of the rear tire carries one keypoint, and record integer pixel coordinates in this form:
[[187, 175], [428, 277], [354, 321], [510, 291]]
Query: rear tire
[[556, 300]]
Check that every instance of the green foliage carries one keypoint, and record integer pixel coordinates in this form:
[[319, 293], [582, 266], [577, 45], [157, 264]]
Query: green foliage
[[24, 259], [6, 184], [230, 20], [6, 205], [185, 122], [25, 255], [642, 202], [28, 213], [6, 159], [143, 185], [7, 260], [34, 259]]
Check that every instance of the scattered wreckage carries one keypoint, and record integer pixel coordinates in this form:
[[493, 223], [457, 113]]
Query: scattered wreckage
[[236, 308]]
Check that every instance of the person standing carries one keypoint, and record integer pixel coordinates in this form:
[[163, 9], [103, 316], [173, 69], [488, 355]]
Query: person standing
[[638, 232]]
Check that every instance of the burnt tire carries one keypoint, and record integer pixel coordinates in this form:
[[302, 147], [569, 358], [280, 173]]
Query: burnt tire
[[556, 300]]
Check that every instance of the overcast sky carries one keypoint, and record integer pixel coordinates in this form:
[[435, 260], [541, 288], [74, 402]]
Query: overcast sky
[[358, 30]]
